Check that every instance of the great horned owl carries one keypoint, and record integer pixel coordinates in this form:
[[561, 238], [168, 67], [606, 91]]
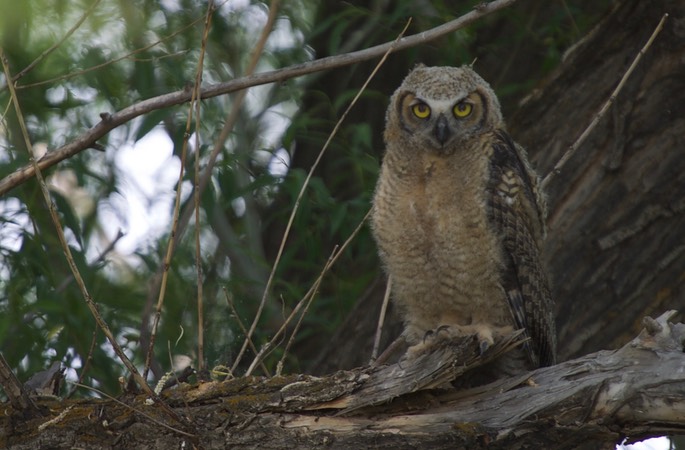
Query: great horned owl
[[458, 217]]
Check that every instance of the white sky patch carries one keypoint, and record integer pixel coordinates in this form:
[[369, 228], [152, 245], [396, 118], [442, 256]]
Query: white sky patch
[[56, 94], [257, 95], [280, 163], [275, 122], [283, 36], [170, 5], [660, 443], [15, 220], [238, 205], [229, 6], [148, 173]]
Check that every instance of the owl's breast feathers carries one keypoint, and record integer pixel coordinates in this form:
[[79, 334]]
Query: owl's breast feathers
[[516, 212]]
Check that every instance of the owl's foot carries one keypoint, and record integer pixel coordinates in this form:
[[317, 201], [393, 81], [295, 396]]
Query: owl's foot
[[485, 339], [432, 339], [445, 334], [483, 346], [433, 334]]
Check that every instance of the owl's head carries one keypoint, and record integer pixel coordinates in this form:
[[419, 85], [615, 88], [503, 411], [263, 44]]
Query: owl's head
[[439, 108]]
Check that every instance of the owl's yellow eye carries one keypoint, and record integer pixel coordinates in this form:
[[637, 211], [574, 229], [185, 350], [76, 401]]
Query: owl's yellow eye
[[421, 110], [462, 109]]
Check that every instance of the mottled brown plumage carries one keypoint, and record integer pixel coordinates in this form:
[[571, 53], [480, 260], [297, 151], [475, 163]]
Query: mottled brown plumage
[[458, 217]]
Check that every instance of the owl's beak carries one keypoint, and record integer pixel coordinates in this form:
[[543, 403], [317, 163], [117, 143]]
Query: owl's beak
[[442, 130]]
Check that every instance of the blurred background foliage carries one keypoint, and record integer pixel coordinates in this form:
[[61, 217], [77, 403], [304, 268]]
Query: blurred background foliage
[[127, 51]]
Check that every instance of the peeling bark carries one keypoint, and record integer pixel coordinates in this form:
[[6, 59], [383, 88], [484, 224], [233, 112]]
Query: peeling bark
[[587, 403]]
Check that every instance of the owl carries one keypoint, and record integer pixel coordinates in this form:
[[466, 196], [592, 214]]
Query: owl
[[458, 217]]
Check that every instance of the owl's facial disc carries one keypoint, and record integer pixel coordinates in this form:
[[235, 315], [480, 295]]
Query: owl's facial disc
[[442, 122]]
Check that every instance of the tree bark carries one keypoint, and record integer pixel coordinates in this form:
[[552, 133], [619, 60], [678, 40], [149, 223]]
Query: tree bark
[[588, 403], [615, 247]]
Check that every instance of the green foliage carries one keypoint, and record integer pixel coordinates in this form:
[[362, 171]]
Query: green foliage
[[125, 52]]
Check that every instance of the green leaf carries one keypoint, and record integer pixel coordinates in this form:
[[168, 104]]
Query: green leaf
[[67, 214]]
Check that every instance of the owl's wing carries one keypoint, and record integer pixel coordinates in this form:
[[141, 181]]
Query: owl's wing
[[516, 210]]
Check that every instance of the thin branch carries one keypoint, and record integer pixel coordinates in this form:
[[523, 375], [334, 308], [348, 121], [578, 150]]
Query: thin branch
[[198, 248], [305, 184], [115, 60], [71, 31], [381, 321], [230, 122], [92, 306], [232, 117], [113, 120], [171, 245], [568, 12], [101, 257], [574, 147], [231, 305], [315, 289], [136, 410], [86, 364], [266, 348], [7, 108]]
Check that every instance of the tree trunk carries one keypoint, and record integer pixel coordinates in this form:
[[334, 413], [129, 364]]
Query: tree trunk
[[615, 248]]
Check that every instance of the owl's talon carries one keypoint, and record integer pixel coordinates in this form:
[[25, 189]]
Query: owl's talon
[[483, 347], [436, 332], [442, 328], [485, 339]]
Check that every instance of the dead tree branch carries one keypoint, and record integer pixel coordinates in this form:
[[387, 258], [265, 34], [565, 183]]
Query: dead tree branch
[[587, 403]]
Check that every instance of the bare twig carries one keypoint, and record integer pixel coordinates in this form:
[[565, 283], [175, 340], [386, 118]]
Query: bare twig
[[568, 12], [228, 127], [52, 48], [7, 108], [315, 289], [305, 184], [232, 118], [115, 60], [574, 147], [86, 364], [55, 420], [271, 344], [98, 260], [65, 246], [136, 410], [381, 321], [198, 248], [177, 203], [231, 305], [113, 120]]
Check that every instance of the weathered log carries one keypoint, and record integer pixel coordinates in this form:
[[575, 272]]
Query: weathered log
[[588, 403]]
